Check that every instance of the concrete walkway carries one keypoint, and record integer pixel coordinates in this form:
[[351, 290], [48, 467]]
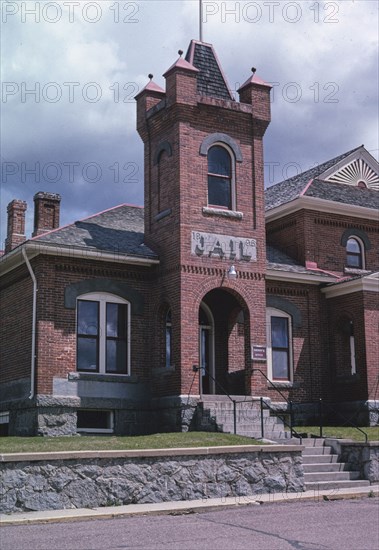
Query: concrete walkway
[[181, 507]]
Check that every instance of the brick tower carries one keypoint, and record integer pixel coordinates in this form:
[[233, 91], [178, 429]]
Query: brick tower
[[204, 216]]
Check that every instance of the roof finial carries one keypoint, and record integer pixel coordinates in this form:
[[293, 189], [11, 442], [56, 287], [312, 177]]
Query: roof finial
[[201, 20], [180, 52], [151, 76]]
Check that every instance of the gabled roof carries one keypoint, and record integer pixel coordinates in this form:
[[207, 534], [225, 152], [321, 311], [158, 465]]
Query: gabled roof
[[290, 189], [211, 80], [119, 230]]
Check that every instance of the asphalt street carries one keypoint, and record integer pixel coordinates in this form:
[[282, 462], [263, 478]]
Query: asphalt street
[[324, 525]]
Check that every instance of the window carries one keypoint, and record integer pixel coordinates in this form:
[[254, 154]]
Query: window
[[94, 421], [103, 330], [221, 177], [168, 339], [279, 345], [4, 423], [344, 345], [354, 253]]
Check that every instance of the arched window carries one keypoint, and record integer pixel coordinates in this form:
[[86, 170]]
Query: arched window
[[221, 191], [168, 339], [103, 334], [354, 253], [279, 345]]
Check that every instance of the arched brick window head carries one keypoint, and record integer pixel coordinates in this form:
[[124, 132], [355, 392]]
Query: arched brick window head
[[220, 177]]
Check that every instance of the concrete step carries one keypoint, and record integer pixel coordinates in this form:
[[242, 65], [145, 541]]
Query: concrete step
[[326, 485], [330, 476], [317, 451], [326, 467], [318, 459]]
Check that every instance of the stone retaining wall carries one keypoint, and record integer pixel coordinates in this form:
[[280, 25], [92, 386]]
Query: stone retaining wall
[[363, 457], [50, 481]]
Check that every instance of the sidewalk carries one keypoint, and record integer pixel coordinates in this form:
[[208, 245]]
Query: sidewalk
[[181, 507]]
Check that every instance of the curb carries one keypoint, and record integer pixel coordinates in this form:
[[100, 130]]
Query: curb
[[181, 507]]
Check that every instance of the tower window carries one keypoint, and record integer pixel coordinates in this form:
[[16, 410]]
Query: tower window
[[354, 253], [220, 177]]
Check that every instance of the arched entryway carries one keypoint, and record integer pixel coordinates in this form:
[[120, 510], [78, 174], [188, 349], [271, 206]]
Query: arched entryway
[[224, 343]]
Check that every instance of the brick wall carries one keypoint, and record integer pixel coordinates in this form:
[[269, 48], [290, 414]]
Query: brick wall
[[16, 298], [316, 237]]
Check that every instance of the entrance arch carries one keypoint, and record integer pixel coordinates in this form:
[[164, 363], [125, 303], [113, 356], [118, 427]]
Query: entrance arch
[[224, 343]]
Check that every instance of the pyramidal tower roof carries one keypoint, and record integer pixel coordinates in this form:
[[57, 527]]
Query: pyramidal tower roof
[[211, 80]]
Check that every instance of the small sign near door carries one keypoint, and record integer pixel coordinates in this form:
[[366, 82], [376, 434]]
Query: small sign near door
[[258, 353]]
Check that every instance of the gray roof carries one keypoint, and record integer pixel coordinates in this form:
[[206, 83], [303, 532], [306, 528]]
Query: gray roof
[[210, 80], [291, 189], [119, 230], [346, 194], [279, 261]]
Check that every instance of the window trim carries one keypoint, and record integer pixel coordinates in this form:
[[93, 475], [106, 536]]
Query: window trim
[[232, 178], [104, 298], [273, 312], [360, 254]]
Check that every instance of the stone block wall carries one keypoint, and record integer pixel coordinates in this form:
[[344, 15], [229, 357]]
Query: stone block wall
[[86, 480]]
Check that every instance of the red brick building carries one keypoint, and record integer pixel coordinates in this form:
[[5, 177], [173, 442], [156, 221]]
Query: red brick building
[[274, 294]]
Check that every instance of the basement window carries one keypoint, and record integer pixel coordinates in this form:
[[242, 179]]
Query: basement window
[[4, 423], [95, 421]]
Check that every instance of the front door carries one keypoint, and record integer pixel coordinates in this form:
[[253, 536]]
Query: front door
[[206, 351]]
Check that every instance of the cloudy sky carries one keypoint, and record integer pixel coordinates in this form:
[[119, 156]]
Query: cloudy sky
[[70, 70]]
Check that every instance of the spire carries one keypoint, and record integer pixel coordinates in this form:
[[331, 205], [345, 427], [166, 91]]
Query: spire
[[211, 80]]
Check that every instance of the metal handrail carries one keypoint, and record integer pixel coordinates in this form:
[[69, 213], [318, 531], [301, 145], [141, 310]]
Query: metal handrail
[[272, 384], [348, 420], [234, 401], [288, 401]]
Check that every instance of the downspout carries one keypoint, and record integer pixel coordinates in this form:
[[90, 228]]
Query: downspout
[[34, 324]]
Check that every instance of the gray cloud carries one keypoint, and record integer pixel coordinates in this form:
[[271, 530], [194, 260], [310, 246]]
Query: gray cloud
[[323, 67]]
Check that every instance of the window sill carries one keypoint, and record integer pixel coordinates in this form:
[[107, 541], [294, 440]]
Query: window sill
[[162, 371], [98, 377], [233, 214], [283, 385]]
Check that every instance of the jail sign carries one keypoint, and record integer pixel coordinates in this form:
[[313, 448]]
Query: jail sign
[[210, 245]]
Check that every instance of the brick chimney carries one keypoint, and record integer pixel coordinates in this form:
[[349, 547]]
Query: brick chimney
[[16, 224], [46, 212]]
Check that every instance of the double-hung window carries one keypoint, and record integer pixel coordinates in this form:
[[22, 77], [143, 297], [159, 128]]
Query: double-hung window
[[103, 334], [279, 338]]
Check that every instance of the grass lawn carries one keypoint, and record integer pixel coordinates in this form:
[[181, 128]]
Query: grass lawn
[[342, 432], [113, 443]]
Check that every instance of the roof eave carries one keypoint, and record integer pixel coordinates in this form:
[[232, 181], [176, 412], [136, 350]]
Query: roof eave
[[323, 205], [368, 283], [14, 259], [290, 276]]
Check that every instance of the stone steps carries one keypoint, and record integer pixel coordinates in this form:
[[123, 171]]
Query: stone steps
[[322, 470], [217, 413], [335, 485]]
